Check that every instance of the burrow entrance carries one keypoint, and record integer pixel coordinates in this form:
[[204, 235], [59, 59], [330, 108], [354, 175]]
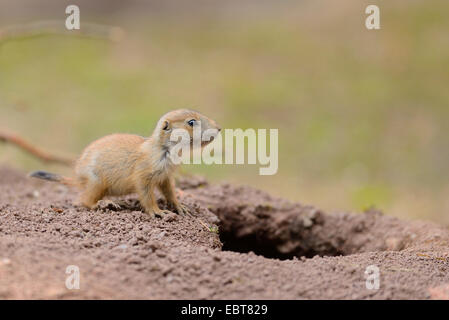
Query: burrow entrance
[[270, 248], [306, 233], [266, 248], [252, 220]]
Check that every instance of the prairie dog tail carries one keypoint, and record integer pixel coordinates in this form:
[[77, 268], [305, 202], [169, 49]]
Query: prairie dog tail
[[44, 175]]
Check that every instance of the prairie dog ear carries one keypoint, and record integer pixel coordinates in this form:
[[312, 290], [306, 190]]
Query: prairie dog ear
[[166, 126]]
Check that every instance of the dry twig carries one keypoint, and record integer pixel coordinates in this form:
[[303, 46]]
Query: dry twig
[[30, 148]]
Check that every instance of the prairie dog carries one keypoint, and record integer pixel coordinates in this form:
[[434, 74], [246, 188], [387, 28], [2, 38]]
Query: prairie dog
[[120, 164]]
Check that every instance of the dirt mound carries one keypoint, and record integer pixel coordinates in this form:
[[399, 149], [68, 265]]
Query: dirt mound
[[241, 244]]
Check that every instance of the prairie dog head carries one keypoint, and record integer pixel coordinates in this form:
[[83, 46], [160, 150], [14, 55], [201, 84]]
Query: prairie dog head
[[200, 129]]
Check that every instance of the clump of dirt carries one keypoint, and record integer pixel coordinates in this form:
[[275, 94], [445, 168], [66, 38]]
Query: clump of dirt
[[230, 249]]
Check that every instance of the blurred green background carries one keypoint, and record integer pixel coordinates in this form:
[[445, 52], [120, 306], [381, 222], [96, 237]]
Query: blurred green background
[[362, 115]]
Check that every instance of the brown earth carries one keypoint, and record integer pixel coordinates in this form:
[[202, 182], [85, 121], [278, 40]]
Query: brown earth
[[285, 250]]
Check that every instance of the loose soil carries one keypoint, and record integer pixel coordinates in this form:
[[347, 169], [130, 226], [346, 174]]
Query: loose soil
[[241, 243]]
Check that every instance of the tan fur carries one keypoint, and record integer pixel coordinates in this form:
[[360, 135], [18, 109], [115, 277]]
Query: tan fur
[[120, 164]]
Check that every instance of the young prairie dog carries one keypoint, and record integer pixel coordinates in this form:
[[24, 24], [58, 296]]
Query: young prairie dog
[[120, 164]]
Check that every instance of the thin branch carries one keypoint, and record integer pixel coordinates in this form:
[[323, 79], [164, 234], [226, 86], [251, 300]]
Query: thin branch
[[30, 148]]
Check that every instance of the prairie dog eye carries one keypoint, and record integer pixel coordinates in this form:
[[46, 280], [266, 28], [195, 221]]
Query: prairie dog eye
[[191, 122], [166, 126]]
